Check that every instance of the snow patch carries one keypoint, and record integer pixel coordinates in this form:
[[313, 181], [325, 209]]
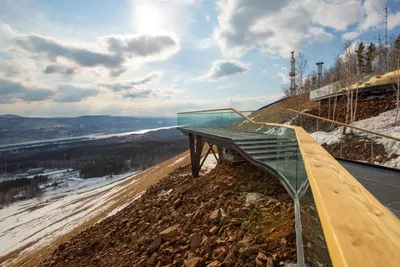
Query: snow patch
[[114, 211], [383, 123], [280, 131], [177, 161], [209, 164], [328, 138], [164, 193]]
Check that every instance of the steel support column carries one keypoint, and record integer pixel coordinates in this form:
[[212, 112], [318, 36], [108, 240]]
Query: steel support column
[[196, 148]]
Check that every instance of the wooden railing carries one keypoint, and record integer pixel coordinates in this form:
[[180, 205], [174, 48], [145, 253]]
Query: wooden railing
[[358, 229], [349, 126]]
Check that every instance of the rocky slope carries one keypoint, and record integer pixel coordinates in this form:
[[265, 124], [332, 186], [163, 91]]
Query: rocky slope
[[227, 217]]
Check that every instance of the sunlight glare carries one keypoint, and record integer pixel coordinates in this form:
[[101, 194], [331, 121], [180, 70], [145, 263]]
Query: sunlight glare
[[147, 19]]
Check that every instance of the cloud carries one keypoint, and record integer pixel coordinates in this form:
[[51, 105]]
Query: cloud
[[122, 86], [283, 73], [53, 49], [145, 93], [224, 87], [70, 93], [36, 94], [279, 27], [207, 43], [14, 90], [113, 53], [350, 35], [117, 87], [319, 34], [145, 45], [148, 78], [117, 72], [66, 71], [393, 20], [337, 14], [149, 93], [372, 16], [224, 68], [6, 34]]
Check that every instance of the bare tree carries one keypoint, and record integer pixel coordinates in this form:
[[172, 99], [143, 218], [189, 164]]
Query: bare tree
[[350, 60], [396, 86], [301, 66]]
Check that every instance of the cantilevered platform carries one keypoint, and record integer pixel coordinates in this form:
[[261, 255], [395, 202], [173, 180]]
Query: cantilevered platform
[[357, 229]]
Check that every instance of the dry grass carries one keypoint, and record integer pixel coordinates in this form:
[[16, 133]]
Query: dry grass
[[299, 102]]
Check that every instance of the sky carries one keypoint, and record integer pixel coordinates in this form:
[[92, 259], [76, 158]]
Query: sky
[[159, 57]]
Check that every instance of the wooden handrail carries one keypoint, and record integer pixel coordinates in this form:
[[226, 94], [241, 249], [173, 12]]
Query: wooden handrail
[[347, 125], [335, 122], [207, 110], [358, 229]]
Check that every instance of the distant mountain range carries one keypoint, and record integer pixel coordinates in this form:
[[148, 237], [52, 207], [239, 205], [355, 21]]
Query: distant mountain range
[[10, 116], [17, 129]]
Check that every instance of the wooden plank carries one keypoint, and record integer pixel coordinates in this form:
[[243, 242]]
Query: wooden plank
[[358, 229]]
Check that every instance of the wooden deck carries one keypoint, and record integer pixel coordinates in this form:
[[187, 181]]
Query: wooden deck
[[229, 134]]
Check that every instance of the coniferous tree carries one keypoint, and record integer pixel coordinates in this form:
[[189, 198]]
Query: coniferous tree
[[360, 57], [370, 56]]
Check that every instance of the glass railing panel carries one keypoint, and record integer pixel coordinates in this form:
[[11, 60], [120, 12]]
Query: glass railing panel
[[352, 144], [302, 178], [275, 146], [314, 244]]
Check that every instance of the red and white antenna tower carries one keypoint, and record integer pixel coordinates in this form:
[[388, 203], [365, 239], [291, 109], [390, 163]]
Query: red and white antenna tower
[[292, 74]]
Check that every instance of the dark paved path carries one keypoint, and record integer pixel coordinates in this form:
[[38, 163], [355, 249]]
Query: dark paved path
[[383, 184]]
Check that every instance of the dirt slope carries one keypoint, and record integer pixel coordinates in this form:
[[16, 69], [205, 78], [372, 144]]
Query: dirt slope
[[202, 221], [365, 109], [32, 255]]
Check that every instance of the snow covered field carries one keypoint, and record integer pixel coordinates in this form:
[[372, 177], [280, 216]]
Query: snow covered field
[[30, 223]]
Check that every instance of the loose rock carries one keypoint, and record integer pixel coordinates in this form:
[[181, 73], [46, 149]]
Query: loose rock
[[195, 262], [215, 216], [195, 241], [170, 232]]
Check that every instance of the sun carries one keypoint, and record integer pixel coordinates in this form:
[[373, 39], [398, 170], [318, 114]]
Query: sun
[[147, 19]]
